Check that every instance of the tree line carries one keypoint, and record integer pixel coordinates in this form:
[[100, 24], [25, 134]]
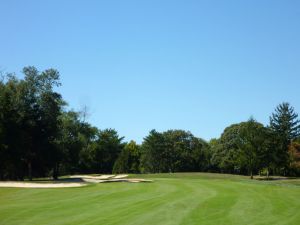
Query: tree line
[[39, 137]]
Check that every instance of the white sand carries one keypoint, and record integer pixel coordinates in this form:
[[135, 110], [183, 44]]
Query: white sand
[[86, 178], [131, 180], [105, 177], [39, 185], [120, 176]]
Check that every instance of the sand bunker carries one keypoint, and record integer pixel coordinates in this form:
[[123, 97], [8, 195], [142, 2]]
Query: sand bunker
[[130, 180], [120, 176], [40, 185], [75, 181]]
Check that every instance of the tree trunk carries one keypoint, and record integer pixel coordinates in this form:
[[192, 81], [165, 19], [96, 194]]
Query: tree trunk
[[251, 173], [29, 171], [55, 171]]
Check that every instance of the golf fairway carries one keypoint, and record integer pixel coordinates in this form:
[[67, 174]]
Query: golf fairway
[[187, 198]]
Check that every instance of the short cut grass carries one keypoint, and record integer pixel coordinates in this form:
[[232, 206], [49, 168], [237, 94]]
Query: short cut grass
[[187, 198]]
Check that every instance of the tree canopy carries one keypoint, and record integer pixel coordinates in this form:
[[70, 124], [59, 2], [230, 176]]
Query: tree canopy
[[40, 137]]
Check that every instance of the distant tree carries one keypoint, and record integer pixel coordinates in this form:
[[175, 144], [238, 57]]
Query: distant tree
[[269, 155], [39, 138], [174, 151], [152, 150], [128, 160], [294, 157], [29, 122], [225, 151], [252, 145], [77, 141], [107, 149], [69, 142], [285, 127], [214, 146], [11, 165], [50, 110], [184, 152], [39, 121], [285, 122]]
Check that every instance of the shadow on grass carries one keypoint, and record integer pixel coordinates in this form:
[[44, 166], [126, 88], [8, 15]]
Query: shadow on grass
[[60, 180], [275, 178]]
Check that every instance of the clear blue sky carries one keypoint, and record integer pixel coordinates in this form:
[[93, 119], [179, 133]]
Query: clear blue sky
[[139, 65]]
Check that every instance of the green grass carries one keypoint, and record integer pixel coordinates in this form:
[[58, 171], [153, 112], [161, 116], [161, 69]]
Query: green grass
[[190, 198]]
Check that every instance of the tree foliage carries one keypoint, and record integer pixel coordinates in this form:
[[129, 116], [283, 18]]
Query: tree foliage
[[252, 146], [285, 127], [294, 157], [29, 121], [174, 151], [40, 137], [129, 159]]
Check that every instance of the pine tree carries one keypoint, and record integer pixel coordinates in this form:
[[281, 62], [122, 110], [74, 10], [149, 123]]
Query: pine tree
[[285, 127], [285, 122]]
